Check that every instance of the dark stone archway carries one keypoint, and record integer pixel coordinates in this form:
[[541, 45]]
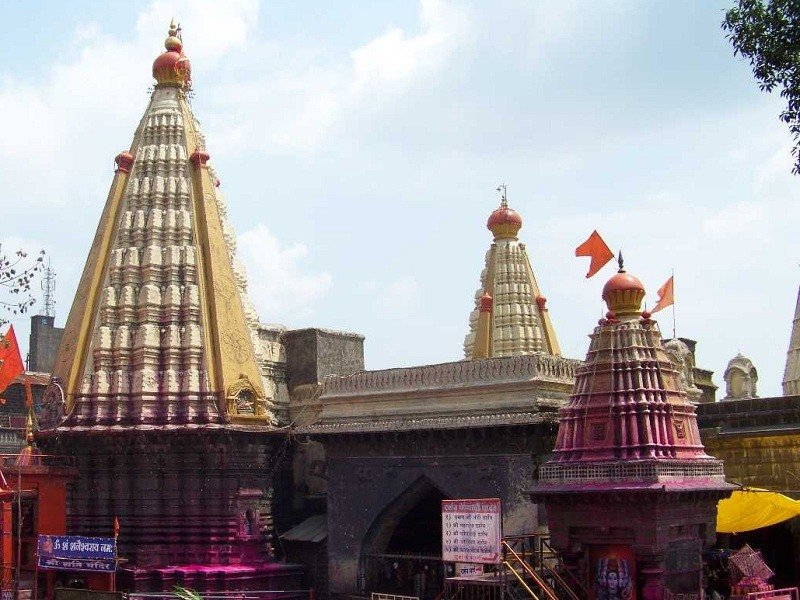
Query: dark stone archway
[[404, 540]]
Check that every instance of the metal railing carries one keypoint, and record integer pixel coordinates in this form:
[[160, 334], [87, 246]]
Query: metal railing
[[521, 580], [548, 591], [536, 553], [530, 569]]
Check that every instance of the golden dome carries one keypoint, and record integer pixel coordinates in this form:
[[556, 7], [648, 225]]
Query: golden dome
[[504, 222], [623, 293], [172, 67]]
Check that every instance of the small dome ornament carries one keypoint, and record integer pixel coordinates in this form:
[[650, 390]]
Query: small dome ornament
[[623, 293], [172, 67], [124, 161], [486, 302], [504, 222]]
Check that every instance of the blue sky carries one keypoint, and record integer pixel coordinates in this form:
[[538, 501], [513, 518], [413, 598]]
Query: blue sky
[[360, 144]]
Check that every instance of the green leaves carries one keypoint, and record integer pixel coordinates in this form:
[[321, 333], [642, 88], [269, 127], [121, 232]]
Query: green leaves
[[186, 594], [768, 35]]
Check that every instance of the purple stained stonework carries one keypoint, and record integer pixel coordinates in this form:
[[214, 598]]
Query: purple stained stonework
[[628, 467]]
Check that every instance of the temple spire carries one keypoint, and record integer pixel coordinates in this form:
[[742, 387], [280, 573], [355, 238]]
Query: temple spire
[[629, 478], [510, 316], [161, 331], [791, 373], [158, 393], [649, 416]]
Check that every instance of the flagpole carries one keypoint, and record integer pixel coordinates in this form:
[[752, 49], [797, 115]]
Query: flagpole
[[672, 271], [116, 555]]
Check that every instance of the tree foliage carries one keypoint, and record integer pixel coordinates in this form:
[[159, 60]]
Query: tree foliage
[[17, 273], [767, 33]]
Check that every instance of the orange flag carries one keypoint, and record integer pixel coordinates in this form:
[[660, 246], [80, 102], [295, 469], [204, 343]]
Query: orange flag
[[598, 250], [666, 295], [10, 359]]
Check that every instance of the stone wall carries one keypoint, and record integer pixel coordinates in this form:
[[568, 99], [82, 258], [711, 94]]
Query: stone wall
[[758, 439], [200, 497], [463, 429], [374, 480], [769, 461], [313, 354]]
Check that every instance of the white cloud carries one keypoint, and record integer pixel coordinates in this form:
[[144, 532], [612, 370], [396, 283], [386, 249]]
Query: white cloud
[[279, 287], [400, 297], [303, 105], [395, 58], [734, 221]]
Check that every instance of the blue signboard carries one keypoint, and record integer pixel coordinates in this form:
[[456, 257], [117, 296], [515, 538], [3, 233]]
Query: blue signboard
[[77, 547], [77, 564]]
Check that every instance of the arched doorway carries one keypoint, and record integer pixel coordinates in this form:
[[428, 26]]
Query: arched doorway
[[402, 551]]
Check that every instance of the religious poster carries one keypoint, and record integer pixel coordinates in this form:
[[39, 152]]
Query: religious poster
[[471, 531], [612, 573]]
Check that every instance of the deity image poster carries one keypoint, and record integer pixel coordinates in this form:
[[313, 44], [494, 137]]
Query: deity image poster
[[612, 573]]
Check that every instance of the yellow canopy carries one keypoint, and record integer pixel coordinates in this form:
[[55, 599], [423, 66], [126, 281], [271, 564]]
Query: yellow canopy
[[753, 508]]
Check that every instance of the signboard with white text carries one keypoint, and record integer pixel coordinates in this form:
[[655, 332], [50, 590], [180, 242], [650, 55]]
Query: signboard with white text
[[471, 530], [77, 553]]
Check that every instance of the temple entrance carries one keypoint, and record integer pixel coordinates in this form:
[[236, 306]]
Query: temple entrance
[[402, 552]]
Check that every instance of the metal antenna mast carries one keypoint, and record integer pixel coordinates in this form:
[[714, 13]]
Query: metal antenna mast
[[49, 289]]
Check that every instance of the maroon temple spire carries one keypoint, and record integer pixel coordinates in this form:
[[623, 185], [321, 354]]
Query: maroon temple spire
[[629, 482], [627, 402], [628, 406]]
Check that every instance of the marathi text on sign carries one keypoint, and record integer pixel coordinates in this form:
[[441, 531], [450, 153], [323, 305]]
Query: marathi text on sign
[[77, 546], [471, 530], [77, 553], [77, 564]]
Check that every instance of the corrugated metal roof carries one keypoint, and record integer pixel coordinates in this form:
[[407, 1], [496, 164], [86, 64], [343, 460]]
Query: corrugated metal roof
[[313, 529]]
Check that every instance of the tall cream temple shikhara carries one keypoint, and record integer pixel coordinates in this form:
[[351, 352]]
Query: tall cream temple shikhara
[[157, 390], [510, 315]]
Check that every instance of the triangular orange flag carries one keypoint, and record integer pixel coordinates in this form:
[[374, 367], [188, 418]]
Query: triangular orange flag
[[598, 250], [10, 359], [666, 295]]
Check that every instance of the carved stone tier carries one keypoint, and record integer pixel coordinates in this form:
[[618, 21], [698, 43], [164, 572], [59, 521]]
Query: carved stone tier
[[477, 393], [627, 402]]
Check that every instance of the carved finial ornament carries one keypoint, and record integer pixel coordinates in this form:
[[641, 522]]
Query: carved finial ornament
[[503, 195]]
